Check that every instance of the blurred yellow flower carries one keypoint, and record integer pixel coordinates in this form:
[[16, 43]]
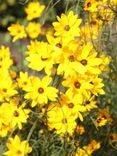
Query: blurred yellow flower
[[17, 31], [33, 29], [16, 147], [34, 10]]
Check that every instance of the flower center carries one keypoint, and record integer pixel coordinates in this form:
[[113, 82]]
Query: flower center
[[40, 90], [71, 58], [64, 121], [4, 90], [84, 62], [16, 114], [67, 27], [77, 84], [59, 45], [43, 59], [86, 103], [89, 4], [19, 152], [70, 105]]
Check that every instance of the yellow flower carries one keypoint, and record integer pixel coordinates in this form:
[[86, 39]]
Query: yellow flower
[[60, 119], [4, 120], [67, 27], [97, 86], [23, 80], [68, 63], [87, 150], [34, 47], [17, 31], [5, 61], [34, 10], [105, 63], [16, 147], [33, 29], [41, 58], [40, 91], [89, 103], [75, 107], [18, 115], [89, 60], [91, 5], [7, 88], [103, 117], [78, 87]]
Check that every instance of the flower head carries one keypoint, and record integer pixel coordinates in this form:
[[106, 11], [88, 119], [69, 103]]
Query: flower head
[[16, 147], [34, 10], [17, 31]]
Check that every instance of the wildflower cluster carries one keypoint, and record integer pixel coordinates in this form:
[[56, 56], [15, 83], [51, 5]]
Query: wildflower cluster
[[63, 81]]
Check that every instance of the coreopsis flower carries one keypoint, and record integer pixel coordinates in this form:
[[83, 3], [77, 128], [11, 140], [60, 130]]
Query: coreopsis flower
[[17, 31], [74, 105], [14, 115], [33, 29], [103, 118], [42, 59], [7, 88], [78, 87], [89, 60], [4, 120], [18, 115], [91, 30], [89, 103], [65, 121], [68, 63], [24, 80], [105, 12], [100, 121], [67, 27], [33, 47], [34, 10], [87, 150], [97, 86], [5, 61], [105, 63], [91, 5], [40, 91], [56, 46], [16, 147]]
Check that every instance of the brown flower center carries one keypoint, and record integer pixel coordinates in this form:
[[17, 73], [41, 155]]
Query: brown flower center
[[40, 90], [19, 152], [43, 59], [4, 90], [64, 121], [59, 45], [86, 103], [16, 114], [67, 27], [89, 4], [71, 58], [70, 105], [84, 62], [77, 84]]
